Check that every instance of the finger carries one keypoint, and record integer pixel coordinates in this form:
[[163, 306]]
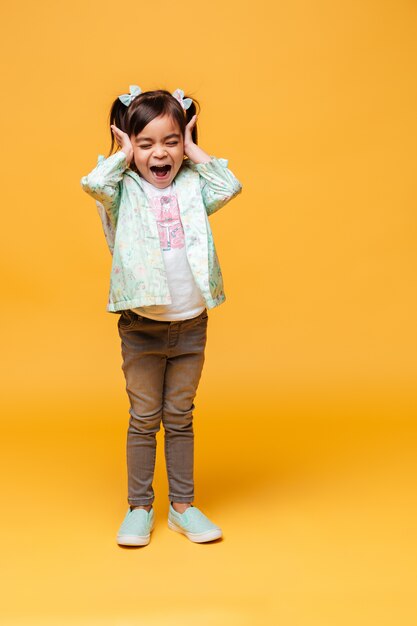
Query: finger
[[192, 122], [117, 132]]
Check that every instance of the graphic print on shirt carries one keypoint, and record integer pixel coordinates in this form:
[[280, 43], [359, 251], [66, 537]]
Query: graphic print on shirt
[[167, 215]]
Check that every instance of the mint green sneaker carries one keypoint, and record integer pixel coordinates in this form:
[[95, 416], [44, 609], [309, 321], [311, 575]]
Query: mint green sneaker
[[136, 528], [193, 524]]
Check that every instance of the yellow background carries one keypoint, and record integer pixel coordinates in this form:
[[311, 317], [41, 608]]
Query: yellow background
[[305, 415]]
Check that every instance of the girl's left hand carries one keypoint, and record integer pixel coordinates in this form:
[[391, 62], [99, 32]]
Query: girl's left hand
[[191, 150], [188, 139]]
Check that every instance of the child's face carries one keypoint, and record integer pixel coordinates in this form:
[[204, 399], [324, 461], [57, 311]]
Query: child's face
[[158, 151]]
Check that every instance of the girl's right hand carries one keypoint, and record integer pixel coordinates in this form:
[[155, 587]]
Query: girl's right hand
[[123, 140]]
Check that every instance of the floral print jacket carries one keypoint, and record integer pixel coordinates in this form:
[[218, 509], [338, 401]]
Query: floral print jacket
[[138, 276]]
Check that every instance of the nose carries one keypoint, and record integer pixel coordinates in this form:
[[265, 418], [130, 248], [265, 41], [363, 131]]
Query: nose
[[160, 152]]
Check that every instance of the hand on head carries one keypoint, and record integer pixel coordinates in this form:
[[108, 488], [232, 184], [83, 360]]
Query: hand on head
[[123, 140], [188, 139]]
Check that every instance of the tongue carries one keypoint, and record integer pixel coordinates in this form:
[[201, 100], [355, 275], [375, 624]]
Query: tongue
[[160, 172]]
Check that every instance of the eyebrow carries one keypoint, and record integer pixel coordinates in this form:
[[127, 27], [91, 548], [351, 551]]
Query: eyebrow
[[171, 136]]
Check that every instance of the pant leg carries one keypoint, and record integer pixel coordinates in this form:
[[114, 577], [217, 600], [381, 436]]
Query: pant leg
[[143, 345], [184, 366]]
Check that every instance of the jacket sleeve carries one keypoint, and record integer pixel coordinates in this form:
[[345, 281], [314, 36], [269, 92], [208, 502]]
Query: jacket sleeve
[[218, 184], [103, 183]]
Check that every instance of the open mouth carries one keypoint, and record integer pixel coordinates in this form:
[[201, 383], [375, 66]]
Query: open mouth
[[160, 171]]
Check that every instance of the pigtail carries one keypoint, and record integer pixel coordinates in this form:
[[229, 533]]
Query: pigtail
[[117, 117]]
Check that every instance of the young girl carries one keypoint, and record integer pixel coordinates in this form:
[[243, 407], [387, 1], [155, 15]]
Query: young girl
[[154, 196]]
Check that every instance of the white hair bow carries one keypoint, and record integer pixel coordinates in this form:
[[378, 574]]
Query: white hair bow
[[184, 102], [127, 98]]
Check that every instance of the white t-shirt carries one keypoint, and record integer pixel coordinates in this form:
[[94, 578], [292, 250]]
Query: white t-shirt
[[187, 300]]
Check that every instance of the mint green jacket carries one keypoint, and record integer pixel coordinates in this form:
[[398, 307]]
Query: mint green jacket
[[138, 276]]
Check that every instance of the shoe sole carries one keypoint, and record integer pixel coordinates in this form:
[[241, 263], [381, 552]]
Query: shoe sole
[[209, 535], [134, 540]]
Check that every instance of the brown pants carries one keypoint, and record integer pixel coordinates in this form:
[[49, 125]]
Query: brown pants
[[162, 364]]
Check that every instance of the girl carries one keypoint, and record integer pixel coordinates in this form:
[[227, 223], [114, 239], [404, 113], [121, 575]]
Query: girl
[[154, 196]]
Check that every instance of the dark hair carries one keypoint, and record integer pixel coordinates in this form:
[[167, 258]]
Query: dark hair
[[146, 107]]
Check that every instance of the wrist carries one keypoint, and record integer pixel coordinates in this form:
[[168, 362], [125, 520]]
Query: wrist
[[196, 154], [128, 154]]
